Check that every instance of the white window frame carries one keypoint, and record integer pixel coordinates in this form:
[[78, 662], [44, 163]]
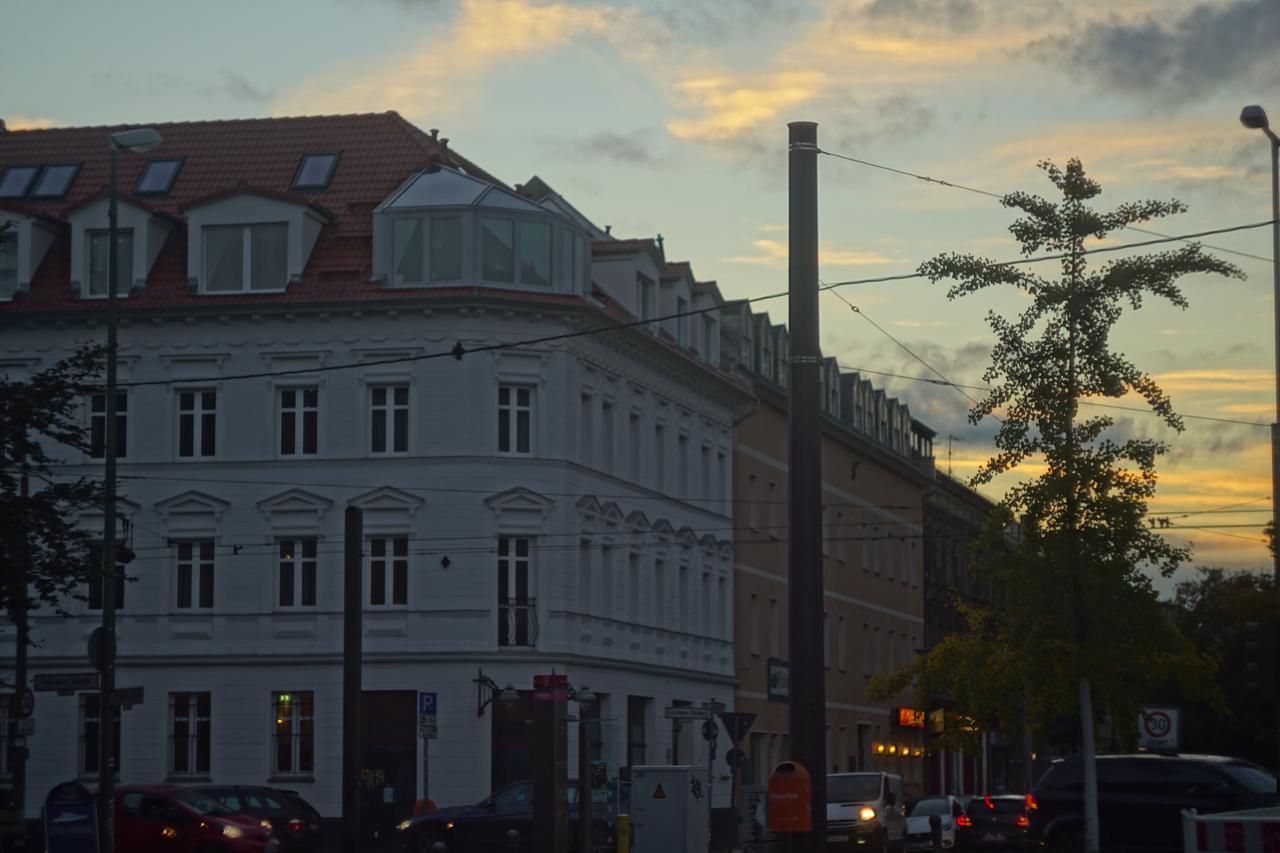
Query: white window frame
[[198, 564], [122, 423], [510, 413], [387, 563], [389, 409], [197, 414], [83, 766], [298, 565], [123, 285], [509, 566], [190, 747], [300, 411], [296, 735], [246, 260]]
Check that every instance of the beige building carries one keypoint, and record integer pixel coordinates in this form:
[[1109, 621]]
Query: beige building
[[877, 465]]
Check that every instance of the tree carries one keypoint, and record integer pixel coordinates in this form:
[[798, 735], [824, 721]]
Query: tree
[[39, 531], [1080, 620]]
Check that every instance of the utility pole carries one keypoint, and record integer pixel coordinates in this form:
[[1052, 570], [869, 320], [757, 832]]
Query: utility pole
[[808, 705], [352, 611], [21, 617]]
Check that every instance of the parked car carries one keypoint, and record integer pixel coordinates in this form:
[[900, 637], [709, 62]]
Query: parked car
[[993, 823], [920, 831], [484, 826], [865, 812], [169, 819], [13, 831], [1141, 797], [295, 823]]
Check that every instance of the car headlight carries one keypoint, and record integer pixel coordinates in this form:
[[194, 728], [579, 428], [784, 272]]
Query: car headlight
[[404, 825], [264, 823], [231, 831], [866, 813]]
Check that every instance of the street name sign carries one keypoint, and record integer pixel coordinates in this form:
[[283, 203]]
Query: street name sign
[[126, 696], [684, 713], [68, 681]]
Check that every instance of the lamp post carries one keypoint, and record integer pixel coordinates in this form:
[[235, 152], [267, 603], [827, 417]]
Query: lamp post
[[1254, 117], [137, 140], [586, 699]]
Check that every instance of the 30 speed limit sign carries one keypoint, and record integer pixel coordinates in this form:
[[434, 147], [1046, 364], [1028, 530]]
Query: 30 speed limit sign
[[1158, 728]]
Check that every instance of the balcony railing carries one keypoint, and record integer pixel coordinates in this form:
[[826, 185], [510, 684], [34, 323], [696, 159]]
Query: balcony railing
[[517, 622]]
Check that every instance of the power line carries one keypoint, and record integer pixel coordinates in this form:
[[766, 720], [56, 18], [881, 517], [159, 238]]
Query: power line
[[999, 197]]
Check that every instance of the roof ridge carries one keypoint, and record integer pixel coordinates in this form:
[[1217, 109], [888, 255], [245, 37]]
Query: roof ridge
[[196, 122]]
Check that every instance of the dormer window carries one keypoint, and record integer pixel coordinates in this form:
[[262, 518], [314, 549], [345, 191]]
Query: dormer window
[[8, 264], [315, 172], [17, 180], [246, 257], [426, 244], [100, 262], [503, 241], [158, 178], [55, 181]]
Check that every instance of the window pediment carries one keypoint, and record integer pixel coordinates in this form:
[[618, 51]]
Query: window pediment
[[294, 511], [520, 510], [192, 514], [638, 520], [663, 528], [388, 510]]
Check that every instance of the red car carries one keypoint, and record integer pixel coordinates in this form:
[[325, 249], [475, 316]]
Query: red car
[[169, 819]]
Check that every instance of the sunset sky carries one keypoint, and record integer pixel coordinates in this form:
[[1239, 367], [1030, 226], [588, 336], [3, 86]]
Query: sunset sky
[[669, 117]]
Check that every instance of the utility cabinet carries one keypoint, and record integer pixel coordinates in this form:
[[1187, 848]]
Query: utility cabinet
[[670, 810]]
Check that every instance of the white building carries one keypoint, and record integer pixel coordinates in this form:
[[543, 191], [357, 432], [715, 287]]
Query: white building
[[295, 289]]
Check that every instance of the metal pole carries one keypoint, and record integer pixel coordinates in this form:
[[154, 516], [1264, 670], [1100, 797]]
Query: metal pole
[[426, 766], [106, 712], [584, 778], [1275, 426], [807, 717], [353, 544], [19, 765]]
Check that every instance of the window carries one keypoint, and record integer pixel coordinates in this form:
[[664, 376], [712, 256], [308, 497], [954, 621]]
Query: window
[[158, 177], [633, 444], [645, 290], [775, 628], [515, 412], [90, 730], [753, 623], [682, 321], [389, 568], [100, 261], [297, 573], [705, 471], [842, 643], [606, 435], [55, 181], [406, 251], [246, 257], [826, 532], [683, 594], [722, 476], [299, 413], [189, 733], [773, 510], [195, 574], [98, 425], [637, 712], [838, 535], [315, 172], [707, 628], [496, 258], [516, 617], [633, 588], [682, 464], [659, 456], [389, 419], [606, 582], [197, 423], [293, 738], [826, 640], [659, 593], [535, 253], [586, 417], [17, 180], [8, 264], [708, 338], [585, 604], [446, 248], [409, 237], [875, 654], [96, 579], [866, 649]]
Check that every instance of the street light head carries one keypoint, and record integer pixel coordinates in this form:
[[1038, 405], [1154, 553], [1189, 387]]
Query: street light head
[[509, 695], [1254, 117], [585, 695], [138, 140]]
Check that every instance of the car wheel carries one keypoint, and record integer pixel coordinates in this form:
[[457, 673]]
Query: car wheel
[[427, 841]]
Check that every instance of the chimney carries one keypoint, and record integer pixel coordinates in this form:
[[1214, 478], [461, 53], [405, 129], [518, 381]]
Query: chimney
[[608, 231], [662, 251], [444, 143], [3, 129], [435, 132]]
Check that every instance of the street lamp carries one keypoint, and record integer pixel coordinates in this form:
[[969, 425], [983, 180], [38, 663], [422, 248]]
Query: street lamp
[[1254, 117], [506, 695], [587, 713], [136, 140]]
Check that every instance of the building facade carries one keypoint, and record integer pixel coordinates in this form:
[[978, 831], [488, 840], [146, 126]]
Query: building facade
[[877, 466], [338, 312]]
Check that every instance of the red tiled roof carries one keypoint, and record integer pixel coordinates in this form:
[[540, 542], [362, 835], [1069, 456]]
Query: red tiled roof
[[266, 192], [377, 152], [677, 270], [623, 247]]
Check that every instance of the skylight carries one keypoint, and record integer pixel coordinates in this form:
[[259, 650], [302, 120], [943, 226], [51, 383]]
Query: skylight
[[158, 177], [315, 171], [16, 181], [55, 181]]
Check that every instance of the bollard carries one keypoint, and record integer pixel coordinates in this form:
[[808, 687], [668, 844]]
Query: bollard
[[513, 841], [935, 832]]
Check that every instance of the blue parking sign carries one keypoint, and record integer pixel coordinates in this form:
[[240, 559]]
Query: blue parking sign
[[426, 704]]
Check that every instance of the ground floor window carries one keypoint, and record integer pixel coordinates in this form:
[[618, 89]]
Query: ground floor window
[[90, 734], [189, 733], [293, 735]]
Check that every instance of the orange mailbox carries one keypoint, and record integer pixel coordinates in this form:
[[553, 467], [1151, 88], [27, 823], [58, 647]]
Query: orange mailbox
[[790, 798]]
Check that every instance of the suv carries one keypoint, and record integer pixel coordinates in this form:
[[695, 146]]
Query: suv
[[865, 812], [1141, 797]]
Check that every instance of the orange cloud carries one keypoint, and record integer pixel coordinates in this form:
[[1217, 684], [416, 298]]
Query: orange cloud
[[23, 122], [723, 106], [773, 253]]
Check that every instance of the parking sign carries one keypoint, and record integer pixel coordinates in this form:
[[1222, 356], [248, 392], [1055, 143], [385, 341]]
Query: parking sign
[[426, 714]]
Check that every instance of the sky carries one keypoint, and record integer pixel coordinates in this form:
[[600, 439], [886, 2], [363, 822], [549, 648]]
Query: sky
[[659, 116]]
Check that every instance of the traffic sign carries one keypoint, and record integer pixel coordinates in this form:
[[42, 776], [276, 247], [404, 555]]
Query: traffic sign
[[426, 715], [1158, 728], [24, 702], [427, 728], [683, 712], [66, 681], [710, 731], [734, 758], [126, 696], [737, 724]]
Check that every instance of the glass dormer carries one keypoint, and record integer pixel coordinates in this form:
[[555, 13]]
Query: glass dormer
[[443, 227]]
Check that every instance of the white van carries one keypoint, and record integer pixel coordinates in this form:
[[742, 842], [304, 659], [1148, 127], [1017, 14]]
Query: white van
[[865, 812]]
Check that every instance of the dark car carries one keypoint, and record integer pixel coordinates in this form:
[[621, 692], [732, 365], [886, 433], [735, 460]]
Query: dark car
[[294, 821], [1141, 797], [483, 827], [169, 819], [990, 822]]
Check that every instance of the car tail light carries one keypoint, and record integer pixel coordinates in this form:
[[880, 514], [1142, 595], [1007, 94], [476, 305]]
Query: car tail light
[[1023, 821], [964, 820], [295, 825], [987, 799], [1032, 804]]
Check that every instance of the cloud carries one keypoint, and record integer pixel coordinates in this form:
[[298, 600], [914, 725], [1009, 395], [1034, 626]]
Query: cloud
[[773, 253], [1234, 381], [619, 147], [242, 88], [1210, 47], [26, 122], [955, 15], [921, 324], [723, 106]]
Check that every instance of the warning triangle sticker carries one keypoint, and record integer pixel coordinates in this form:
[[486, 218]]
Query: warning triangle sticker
[[658, 793]]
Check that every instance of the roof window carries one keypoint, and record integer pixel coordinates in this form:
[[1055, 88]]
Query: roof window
[[17, 180], [315, 171], [158, 177], [55, 181]]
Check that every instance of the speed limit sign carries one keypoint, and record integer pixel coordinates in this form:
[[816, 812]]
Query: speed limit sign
[[1158, 728], [24, 703]]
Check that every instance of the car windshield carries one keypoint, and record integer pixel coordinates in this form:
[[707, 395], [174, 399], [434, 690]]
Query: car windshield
[[200, 803], [1257, 780], [931, 805], [858, 788]]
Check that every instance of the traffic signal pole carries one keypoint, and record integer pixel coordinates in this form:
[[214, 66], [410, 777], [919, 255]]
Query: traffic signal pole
[[807, 717]]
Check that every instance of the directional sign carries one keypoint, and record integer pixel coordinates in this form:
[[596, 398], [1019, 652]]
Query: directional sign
[[68, 681], [126, 696], [686, 713]]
